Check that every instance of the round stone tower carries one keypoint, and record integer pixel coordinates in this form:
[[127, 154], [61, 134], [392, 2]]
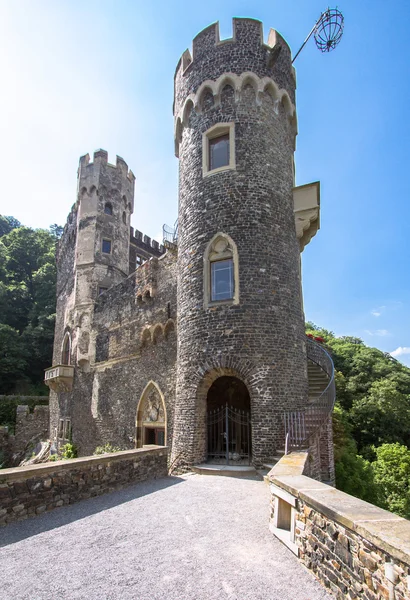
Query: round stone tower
[[241, 339]]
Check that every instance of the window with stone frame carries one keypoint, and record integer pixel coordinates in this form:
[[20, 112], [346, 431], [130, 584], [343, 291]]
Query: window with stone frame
[[108, 208], [106, 246], [221, 272], [61, 429], [222, 280], [218, 148], [218, 152]]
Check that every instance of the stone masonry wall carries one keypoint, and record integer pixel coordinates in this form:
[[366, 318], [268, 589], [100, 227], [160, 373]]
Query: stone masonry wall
[[133, 342], [30, 491], [30, 427], [354, 548]]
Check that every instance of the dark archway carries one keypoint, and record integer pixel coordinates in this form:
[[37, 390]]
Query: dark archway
[[228, 412]]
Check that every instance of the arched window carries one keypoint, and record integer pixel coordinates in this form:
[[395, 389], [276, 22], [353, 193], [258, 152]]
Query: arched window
[[66, 351], [108, 208], [221, 271]]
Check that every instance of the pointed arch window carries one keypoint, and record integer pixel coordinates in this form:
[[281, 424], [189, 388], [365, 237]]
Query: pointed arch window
[[66, 351], [221, 271]]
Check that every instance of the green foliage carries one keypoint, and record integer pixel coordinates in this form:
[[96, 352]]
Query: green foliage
[[13, 358], [392, 476], [380, 417], [354, 474], [371, 422], [106, 449], [69, 450], [7, 224], [27, 303]]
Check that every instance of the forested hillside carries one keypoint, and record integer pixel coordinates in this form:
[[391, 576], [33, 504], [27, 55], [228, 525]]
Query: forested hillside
[[27, 305], [371, 422]]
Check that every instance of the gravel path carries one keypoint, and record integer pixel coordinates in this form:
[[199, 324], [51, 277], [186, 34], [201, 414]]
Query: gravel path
[[193, 537]]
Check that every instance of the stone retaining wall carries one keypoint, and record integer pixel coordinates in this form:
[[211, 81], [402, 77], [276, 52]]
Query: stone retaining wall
[[354, 548], [32, 490]]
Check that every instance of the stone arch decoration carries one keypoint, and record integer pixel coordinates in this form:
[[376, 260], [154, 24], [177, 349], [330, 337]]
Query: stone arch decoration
[[238, 83], [151, 418], [158, 334]]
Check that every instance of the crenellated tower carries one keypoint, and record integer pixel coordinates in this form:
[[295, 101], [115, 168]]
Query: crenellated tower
[[241, 335]]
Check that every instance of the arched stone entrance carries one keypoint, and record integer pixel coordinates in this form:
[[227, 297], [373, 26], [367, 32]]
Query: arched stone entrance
[[228, 422], [151, 421]]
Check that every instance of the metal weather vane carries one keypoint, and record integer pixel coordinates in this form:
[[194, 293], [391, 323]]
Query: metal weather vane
[[327, 31]]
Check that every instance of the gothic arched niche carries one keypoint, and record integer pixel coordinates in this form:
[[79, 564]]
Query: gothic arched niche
[[151, 422]]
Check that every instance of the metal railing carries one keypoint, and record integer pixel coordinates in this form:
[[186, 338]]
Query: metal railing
[[170, 234], [303, 425]]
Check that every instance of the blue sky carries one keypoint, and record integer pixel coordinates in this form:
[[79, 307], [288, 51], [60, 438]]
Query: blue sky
[[78, 75]]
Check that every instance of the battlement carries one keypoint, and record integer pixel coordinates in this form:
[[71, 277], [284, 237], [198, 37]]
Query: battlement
[[246, 41], [140, 240], [100, 161]]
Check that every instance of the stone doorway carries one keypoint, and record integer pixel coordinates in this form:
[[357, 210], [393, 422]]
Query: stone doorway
[[151, 422], [228, 422]]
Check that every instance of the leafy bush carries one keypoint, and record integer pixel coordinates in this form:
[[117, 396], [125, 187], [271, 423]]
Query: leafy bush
[[68, 451], [106, 449]]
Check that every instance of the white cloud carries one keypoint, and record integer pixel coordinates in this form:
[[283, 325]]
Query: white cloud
[[400, 351], [379, 332], [376, 312]]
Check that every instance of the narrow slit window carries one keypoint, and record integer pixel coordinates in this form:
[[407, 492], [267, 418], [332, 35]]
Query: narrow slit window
[[65, 355], [219, 152], [67, 432], [222, 280], [61, 428]]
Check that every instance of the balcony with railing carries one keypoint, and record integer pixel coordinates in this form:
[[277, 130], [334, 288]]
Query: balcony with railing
[[60, 378]]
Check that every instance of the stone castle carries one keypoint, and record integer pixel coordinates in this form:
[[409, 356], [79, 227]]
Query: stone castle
[[199, 343]]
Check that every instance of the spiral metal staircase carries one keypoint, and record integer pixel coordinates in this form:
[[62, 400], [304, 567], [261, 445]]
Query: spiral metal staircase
[[303, 426]]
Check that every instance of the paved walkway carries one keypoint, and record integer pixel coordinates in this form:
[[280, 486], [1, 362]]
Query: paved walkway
[[193, 537]]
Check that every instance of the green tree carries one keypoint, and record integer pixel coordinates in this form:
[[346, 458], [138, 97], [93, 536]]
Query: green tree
[[382, 416], [7, 224], [354, 474], [27, 295], [392, 476], [13, 363]]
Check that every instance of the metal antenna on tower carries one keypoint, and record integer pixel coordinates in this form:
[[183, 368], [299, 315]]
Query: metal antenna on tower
[[327, 31]]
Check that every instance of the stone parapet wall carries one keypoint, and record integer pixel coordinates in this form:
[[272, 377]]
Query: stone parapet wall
[[30, 427], [32, 490], [354, 548]]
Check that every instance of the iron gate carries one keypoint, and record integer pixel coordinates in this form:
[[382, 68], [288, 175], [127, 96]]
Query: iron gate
[[229, 436]]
